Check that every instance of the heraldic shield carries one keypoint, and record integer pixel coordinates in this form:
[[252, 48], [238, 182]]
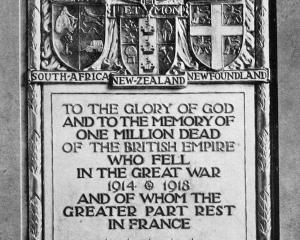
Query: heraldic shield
[[148, 44], [78, 32], [216, 32]]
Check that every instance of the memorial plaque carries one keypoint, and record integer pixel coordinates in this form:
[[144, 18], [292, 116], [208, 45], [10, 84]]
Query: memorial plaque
[[149, 120]]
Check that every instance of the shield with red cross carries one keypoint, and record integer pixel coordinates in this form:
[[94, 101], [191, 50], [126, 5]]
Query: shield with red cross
[[216, 32]]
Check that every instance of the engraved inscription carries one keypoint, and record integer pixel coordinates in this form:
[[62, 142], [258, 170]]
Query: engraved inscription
[[149, 164]]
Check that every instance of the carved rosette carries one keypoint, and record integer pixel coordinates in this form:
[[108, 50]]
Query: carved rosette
[[263, 162]]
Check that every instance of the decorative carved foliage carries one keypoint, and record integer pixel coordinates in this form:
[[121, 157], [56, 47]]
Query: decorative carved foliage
[[49, 60], [263, 162], [34, 162], [35, 36], [261, 29]]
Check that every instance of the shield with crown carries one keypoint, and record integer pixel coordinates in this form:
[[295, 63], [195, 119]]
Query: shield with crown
[[78, 32], [216, 31]]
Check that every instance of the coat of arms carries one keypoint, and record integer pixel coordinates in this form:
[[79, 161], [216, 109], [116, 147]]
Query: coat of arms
[[148, 39], [216, 41], [78, 31]]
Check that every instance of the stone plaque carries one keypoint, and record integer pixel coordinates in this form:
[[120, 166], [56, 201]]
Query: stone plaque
[[149, 120], [149, 167]]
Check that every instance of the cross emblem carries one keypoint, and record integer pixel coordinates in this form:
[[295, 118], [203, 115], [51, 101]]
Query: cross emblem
[[216, 31]]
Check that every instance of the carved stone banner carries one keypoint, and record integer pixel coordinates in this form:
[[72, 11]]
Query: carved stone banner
[[149, 120]]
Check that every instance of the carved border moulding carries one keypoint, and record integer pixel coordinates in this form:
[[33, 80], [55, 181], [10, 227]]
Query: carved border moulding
[[263, 161], [34, 104], [109, 53], [35, 214]]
